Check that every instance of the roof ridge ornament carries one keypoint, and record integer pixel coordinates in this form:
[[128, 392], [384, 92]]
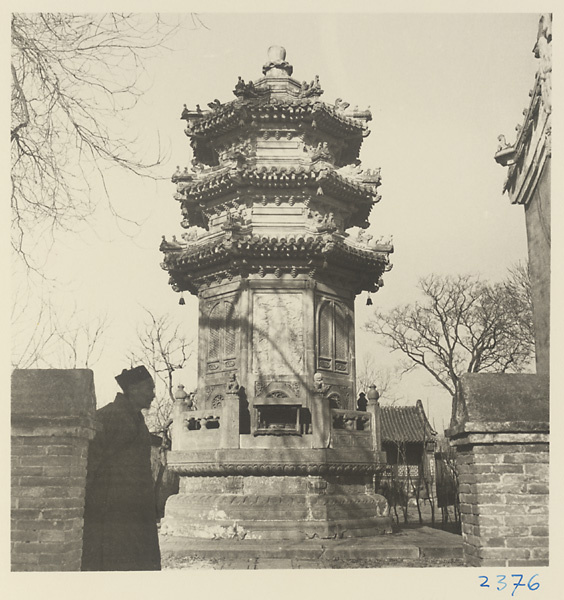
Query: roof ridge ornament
[[277, 66]]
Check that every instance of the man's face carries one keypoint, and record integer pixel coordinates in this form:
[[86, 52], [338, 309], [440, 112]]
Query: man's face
[[142, 393]]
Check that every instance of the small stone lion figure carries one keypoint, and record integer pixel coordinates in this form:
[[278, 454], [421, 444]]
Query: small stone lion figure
[[232, 384]]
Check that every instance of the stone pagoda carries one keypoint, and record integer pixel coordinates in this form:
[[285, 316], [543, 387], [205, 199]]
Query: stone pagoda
[[275, 206]]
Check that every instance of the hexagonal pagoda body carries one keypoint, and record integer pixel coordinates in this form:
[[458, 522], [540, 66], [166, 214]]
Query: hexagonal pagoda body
[[268, 206]]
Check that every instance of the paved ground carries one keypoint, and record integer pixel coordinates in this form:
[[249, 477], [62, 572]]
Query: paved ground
[[418, 547]]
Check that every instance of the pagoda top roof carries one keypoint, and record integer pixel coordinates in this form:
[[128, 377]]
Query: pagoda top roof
[[276, 97]]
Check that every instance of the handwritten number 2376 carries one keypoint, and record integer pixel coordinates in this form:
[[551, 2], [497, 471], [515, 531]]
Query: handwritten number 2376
[[517, 582]]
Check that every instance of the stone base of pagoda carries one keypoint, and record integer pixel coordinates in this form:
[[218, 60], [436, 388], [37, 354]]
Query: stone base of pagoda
[[337, 503]]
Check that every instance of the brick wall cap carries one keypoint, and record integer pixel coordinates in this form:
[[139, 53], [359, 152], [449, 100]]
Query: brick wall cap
[[53, 392], [499, 427], [501, 398]]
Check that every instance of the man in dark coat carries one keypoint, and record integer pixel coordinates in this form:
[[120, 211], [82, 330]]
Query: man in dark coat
[[120, 521]]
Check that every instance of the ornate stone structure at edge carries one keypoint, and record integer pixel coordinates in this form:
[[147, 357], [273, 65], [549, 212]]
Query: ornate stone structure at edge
[[528, 184], [500, 422], [276, 447]]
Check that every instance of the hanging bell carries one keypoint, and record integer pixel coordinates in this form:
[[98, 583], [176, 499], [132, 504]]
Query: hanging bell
[[181, 301], [369, 300]]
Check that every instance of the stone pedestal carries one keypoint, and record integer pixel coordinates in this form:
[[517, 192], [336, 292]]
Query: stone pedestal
[[52, 423], [279, 507], [500, 431]]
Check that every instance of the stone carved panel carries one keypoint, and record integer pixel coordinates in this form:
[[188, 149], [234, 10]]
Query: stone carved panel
[[214, 396], [278, 334], [263, 387]]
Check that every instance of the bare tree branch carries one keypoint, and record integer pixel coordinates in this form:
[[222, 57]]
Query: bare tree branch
[[463, 325], [74, 79], [163, 349]]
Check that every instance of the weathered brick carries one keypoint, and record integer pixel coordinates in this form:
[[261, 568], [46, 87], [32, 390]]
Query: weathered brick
[[52, 536], [540, 471], [27, 491], [528, 458], [27, 547], [26, 471], [528, 520], [489, 478], [542, 531], [43, 460], [60, 450], [508, 468], [491, 562], [539, 499], [35, 525], [522, 562], [528, 542], [51, 503], [504, 553], [55, 471], [468, 528], [25, 514], [24, 536], [36, 502], [505, 531], [540, 553], [24, 559], [535, 509], [500, 509], [496, 489], [473, 540], [484, 499], [43, 481], [492, 542], [537, 488], [472, 519], [484, 462], [33, 450], [487, 520], [61, 514], [498, 449], [512, 479]]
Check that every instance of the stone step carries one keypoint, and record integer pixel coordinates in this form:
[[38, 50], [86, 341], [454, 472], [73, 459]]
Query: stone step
[[416, 544]]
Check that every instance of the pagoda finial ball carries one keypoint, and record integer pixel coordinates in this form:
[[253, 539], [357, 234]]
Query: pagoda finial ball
[[276, 53]]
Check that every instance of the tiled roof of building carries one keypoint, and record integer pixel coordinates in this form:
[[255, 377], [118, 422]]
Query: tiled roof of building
[[406, 424]]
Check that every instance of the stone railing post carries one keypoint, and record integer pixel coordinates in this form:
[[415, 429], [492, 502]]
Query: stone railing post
[[230, 425], [320, 415], [500, 431], [52, 423]]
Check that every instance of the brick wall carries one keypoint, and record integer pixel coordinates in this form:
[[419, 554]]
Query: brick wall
[[504, 503], [52, 423], [503, 468]]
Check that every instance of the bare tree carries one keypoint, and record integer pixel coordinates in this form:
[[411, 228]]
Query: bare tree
[[462, 325], [368, 373], [74, 77], [163, 349], [520, 301], [72, 341]]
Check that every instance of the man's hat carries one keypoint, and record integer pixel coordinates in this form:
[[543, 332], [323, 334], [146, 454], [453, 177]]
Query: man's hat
[[130, 376]]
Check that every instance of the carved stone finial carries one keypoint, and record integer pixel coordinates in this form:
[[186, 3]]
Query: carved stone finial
[[276, 53], [276, 65]]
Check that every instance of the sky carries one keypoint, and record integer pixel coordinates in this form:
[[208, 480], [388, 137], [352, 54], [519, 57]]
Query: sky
[[441, 88]]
